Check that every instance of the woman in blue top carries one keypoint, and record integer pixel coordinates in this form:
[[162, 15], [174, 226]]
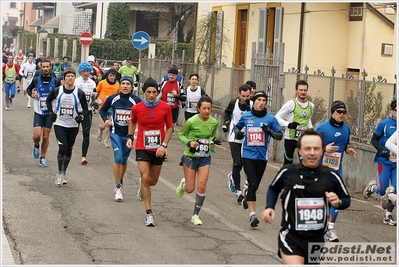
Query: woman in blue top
[[336, 135], [259, 127]]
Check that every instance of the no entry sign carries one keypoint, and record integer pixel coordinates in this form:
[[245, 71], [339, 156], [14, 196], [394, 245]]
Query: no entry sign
[[86, 38]]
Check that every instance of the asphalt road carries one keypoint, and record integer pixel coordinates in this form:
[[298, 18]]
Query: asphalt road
[[80, 223]]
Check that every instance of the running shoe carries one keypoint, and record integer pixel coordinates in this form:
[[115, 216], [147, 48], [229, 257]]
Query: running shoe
[[64, 179], [149, 220], [43, 162], [139, 195], [231, 184], [389, 220], [28, 105], [196, 220], [58, 179], [99, 136], [35, 152], [7, 107], [253, 221], [118, 194], [244, 200], [370, 189], [385, 202], [331, 236], [239, 196], [179, 189]]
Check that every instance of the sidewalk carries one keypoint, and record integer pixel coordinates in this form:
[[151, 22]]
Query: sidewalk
[[7, 258]]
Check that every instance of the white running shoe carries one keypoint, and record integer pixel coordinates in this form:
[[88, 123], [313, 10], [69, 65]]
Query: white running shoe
[[99, 136], [58, 179], [118, 194], [370, 189], [331, 236], [231, 184], [385, 202], [149, 221]]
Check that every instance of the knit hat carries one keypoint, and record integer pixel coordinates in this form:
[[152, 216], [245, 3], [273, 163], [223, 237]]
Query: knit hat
[[259, 94], [111, 70], [149, 83], [127, 78], [173, 70], [84, 66], [251, 83]]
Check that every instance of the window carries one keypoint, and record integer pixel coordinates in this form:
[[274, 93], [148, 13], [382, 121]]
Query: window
[[356, 12], [13, 5], [387, 50]]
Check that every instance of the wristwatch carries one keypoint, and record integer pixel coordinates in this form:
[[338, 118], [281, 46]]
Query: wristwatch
[[165, 145]]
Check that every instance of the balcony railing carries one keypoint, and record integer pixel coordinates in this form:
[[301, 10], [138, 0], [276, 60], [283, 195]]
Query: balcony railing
[[43, 6]]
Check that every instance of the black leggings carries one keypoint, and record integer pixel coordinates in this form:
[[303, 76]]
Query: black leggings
[[254, 170], [66, 139], [289, 149], [86, 126], [235, 150]]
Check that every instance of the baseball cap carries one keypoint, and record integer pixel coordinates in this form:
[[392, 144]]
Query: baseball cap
[[128, 58], [91, 58]]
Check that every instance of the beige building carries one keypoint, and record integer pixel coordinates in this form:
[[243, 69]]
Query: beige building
[[351, 37]]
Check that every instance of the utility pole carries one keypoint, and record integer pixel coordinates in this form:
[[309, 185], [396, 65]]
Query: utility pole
[[175, 41]]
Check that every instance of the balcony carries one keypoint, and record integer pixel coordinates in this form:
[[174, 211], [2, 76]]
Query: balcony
[[43, 6]]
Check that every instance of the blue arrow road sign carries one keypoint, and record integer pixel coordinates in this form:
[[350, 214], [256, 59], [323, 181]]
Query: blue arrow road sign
[[141, 40]]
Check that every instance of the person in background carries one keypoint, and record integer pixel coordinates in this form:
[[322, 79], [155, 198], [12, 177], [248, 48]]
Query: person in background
[[154, 118], [295, 115], [197, 135], [336, 136], [232, 114], [11, 80], [87, 85], [253, 87], [20, 58], [256, 128], [179, 77], [115, 65], [27, 72], [95, 74], [131, 71], [12, 50], [57, 68], [193, 94], [38, 60], [386, 160], [31, 51], [65, 62], [308, 180]]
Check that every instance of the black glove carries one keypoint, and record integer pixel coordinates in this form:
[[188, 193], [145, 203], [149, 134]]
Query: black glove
[[384, 154], [293, 125], [266, 129], [239, 135], [136, 84], [95, 104], [225, 128], [53, 116], [79, 119]]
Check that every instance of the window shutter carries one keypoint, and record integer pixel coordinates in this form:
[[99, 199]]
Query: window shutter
[[219, 37], [262, 30], [278, 22]]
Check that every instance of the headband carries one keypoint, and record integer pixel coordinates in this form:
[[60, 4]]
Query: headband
[[337, 106]]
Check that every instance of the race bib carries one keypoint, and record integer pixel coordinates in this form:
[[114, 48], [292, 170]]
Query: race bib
[[332, 160], [10, 79], [29, 75], [310, 214], [298, 131], [121, 116], [170, 99], [152, 139], [202, 150], [66, 111], [88, 94], [255, 136], [43, 105], [192, 104]]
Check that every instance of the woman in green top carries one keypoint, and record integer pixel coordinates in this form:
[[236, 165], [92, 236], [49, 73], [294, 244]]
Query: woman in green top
[[197, 134]]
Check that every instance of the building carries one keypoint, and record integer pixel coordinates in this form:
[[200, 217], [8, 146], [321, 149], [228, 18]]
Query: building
[[348, 36]]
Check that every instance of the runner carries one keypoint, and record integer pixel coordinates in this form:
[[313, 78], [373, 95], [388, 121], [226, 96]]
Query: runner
[[197, 135], [154, 120], [120, 105]]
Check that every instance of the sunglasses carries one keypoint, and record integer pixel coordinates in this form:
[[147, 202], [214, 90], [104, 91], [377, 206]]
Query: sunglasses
[[341, 111]]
